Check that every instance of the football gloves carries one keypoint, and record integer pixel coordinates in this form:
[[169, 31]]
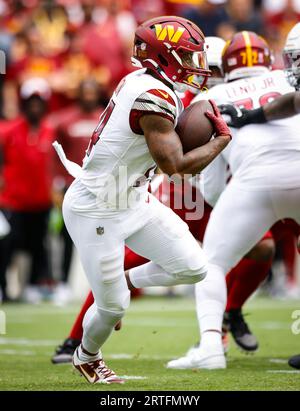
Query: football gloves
[[219, 124], [242, 117]]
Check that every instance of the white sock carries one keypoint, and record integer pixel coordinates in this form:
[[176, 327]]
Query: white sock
[[97, 324], [211, 297], [211, 338], [86, 357]]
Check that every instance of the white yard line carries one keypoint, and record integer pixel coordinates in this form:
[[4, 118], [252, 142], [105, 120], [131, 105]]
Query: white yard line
[[283, 371], [158, 323], [35, 343], [272, 325], [17, 352], [28, 342], [277, 361]]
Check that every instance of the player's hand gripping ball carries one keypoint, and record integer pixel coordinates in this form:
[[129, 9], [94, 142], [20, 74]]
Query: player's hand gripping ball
[[198, 123]]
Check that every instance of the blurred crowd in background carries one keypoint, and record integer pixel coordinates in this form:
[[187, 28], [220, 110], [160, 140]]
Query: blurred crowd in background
[[63, 60]]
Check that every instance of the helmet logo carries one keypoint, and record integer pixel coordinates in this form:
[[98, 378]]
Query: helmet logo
[[168, 31]]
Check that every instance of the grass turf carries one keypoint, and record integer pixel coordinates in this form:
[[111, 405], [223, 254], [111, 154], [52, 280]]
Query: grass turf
[[154, 330]]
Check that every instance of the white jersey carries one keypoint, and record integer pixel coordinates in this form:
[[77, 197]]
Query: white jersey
[[116, 166], [260, 156]]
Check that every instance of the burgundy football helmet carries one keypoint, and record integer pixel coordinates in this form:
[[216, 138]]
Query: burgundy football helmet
[[174, 48], [246, 55]]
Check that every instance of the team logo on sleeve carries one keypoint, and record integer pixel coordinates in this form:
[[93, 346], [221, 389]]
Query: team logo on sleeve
[[168, 31]]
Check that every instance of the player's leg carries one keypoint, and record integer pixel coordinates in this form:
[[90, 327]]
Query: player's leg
[[36, 229], [176, 257], [226, 240], [286, 233], [101, 250], [65, 351], [241, 282], [246, 276], [253, 216], [67, 256]]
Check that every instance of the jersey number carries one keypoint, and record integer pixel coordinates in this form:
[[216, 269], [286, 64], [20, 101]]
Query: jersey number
[[105, 116], [247, 103]]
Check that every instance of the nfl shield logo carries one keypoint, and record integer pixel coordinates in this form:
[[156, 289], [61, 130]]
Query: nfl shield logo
[[100, 230]]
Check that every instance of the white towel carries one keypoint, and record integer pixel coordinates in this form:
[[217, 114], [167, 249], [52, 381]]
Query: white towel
[[72, 168]]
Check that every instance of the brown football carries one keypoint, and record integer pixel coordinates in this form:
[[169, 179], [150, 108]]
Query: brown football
[[193, 127]]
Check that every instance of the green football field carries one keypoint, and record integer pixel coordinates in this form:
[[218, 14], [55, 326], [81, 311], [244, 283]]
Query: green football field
[[154, 331]]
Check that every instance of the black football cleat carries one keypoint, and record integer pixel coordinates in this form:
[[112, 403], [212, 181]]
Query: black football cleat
[[64, 353], [295, 361], [234, 322]]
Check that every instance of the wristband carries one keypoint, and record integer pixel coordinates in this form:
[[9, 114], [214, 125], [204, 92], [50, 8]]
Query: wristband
[[256, 116]]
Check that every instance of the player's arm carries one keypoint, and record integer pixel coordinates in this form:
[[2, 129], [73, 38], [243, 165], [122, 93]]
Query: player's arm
[[282, 107], [166, 148]]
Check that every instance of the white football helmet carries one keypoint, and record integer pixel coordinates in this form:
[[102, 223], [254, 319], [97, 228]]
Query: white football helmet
[[214, 59], [291, 56]]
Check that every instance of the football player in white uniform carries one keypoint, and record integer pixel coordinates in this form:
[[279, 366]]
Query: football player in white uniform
[[265, 163], [245, 277], [108, 204], [282, 107]]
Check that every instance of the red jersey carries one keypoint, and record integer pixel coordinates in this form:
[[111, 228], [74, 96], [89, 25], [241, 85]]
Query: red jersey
[[26, 168]]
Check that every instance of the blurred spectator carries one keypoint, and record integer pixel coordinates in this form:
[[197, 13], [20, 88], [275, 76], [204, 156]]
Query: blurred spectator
[[74, 127], [75, 67], [38, 50], [108, 42], [5, 43], [211, 17], [148, 9], [18, 57], [243, 16], [280, 16], [26, 196]]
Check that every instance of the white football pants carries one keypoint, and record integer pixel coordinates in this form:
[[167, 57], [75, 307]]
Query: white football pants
[[238, 221], [153, 231]]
